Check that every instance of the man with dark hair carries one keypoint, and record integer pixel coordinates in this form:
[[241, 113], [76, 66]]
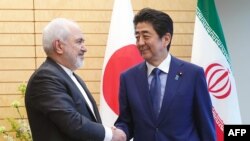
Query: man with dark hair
[[163, 98]]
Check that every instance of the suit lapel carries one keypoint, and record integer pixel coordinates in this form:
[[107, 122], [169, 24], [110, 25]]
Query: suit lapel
[[173, 82], [142, 83], [97, 115]]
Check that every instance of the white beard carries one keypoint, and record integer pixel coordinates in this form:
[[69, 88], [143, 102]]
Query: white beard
[[79, 63]]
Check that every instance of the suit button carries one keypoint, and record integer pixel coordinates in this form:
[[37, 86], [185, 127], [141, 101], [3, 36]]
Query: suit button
[[156, 129]]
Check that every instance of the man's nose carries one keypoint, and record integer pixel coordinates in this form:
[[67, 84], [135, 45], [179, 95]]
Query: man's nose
[[140, 41], [83, 48]]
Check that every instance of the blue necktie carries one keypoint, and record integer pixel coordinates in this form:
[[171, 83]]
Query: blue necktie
[[155, 91]]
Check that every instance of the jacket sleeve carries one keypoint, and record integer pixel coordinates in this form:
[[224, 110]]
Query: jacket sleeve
[[203, 109], [124, 121]]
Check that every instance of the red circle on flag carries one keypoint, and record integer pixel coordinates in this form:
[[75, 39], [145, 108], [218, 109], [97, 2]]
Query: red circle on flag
[[121, 60], [218, 80]]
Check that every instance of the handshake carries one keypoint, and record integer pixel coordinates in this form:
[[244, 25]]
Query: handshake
[[118, 134]]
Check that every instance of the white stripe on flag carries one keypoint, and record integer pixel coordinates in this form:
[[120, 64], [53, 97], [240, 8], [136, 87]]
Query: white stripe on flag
[[210, 52]]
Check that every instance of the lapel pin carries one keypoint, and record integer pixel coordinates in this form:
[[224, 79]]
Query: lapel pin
[[178, 75]]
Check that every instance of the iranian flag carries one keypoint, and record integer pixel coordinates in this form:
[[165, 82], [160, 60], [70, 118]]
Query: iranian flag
[[210, 51], [121, 53]]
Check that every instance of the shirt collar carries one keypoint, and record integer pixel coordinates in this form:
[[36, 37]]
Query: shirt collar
[[67, 70], [164, 66]]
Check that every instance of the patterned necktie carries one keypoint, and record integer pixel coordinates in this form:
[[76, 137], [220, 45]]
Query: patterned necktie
[[155, 91]]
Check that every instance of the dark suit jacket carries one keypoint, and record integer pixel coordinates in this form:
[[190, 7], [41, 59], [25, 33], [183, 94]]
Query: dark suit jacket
[[57, 110], [186, 112]]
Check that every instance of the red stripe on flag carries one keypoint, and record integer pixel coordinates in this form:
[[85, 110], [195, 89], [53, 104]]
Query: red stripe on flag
[[219, 126], [219, 133]]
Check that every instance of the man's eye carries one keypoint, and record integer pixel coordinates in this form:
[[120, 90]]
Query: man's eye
[[79, 41]]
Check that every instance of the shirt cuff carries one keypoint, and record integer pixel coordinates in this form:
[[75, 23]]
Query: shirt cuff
[[108, 134]]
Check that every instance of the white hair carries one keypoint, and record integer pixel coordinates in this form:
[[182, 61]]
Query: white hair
[[57, 29]]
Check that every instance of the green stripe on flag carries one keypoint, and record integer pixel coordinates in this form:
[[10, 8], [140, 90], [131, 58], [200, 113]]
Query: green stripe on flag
[[207, 14]]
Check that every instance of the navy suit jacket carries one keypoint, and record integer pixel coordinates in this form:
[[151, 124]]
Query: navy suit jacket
[[57, 110], [186, 112]]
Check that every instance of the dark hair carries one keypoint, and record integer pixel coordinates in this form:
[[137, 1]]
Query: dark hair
[[161, 22]]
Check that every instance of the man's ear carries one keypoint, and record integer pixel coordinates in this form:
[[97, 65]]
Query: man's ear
[[166, 39], [57, 46]]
